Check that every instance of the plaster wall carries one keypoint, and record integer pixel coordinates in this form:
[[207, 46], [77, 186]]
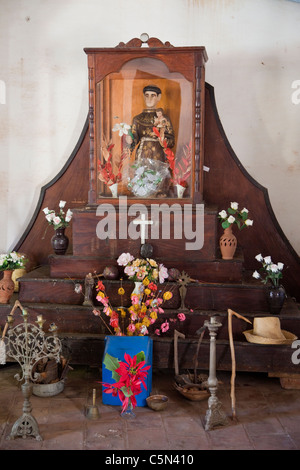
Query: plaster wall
[[253, 48]]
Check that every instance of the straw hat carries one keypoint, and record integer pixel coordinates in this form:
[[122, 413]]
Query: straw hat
[[267, 330]]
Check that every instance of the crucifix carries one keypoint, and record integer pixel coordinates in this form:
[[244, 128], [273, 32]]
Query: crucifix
[[143, 222], [146, 248]]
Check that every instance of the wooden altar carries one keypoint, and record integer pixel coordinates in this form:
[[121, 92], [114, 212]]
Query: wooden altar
[[48, 287]]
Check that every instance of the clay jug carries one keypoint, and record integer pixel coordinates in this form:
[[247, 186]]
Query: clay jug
[[228, 243]]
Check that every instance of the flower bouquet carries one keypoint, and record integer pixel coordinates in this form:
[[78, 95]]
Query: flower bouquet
[[110, 172], [60, 219], [129, 376], [144, 311], [271, 271], [138, 269], [235, 216], [146, 177], [182, 167], [12, 261]]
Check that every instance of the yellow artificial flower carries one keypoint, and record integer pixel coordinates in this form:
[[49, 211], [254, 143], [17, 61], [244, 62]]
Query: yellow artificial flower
[[101, 294], [146, 321], [146, 281], [152, 262], [123, 312], [153, 315], [144, 309], [167, 295], [136, 262], [121, 291], [147, 291], [155, 274]]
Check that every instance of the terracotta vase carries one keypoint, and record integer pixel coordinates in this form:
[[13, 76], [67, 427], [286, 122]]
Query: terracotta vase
[[60, 241], [228, 243], [275, 299], [7, 287]]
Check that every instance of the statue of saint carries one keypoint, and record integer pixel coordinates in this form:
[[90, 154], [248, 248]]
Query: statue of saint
[[147, 142]]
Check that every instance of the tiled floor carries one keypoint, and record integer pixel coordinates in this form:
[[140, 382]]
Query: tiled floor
[[268, 417]]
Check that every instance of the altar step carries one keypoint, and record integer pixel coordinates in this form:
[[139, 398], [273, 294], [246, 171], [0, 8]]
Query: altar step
[[216, 270], [38, 287]]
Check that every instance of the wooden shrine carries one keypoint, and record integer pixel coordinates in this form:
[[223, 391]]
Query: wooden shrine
[[117, 77]]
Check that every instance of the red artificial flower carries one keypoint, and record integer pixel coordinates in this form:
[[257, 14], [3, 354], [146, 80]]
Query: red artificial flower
[[100, 286]]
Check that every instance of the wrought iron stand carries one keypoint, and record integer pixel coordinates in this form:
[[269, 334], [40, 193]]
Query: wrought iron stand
[[27, 344], [214, 415]]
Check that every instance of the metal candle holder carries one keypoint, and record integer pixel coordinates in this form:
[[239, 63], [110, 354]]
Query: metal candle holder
[[214, 415], [27, 344]]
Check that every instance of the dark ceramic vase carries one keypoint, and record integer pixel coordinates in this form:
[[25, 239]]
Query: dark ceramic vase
[[60, 241], [275, 299]]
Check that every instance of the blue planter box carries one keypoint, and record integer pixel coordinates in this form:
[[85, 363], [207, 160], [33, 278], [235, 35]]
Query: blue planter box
[[117, 346]]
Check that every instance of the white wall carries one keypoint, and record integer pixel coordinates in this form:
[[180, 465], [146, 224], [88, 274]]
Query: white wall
[[254, 58]]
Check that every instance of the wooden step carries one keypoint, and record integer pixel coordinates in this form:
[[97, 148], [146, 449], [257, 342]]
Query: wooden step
[[38, 287], [217, 270]]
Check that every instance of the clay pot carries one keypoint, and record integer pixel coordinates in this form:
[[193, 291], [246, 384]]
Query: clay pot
[[7, 287], [228, 243]]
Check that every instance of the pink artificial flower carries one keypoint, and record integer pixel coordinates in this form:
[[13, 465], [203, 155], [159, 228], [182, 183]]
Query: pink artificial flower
[[96, 312], [181, 316], [157, 332], [134, 299], [131, 328], [165, 326]]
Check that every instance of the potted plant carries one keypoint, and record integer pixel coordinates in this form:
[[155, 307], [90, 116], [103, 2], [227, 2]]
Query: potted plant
[[233, 215], [8, 263], [60, 221], [271, 274]]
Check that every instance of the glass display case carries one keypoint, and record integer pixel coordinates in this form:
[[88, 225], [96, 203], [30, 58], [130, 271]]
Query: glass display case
[[146, 121]]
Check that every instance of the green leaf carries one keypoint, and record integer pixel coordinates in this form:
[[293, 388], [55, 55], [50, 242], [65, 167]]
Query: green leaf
[[126, 392], [140, 357], [110, 362], [225, 224], [231, 211]]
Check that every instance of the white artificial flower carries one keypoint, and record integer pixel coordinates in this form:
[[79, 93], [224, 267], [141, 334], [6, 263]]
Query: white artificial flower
[[56, 220], [234, 205], [124, 259], [231, 219], [244, 210], [46, 210], [268, 260], [256, 275], [62, 204], [122, 128], [280, 266], [223, 214], [50, 216], [162, 273], [274, 268], [259, 257], [248, 222]]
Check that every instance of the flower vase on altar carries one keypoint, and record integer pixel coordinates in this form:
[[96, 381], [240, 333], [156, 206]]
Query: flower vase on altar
[[60, 241], [180, 190], [114, 189], [138, 286], [116, 346], [7, 287], [228, 244]]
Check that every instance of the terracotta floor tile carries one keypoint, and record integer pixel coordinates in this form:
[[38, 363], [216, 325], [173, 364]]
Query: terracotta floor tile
[[268, 417]]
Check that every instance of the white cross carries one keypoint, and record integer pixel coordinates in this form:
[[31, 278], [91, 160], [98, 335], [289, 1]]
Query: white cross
[[143, 222]]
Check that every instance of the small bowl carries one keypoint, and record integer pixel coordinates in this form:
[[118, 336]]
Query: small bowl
[[157, 402]]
